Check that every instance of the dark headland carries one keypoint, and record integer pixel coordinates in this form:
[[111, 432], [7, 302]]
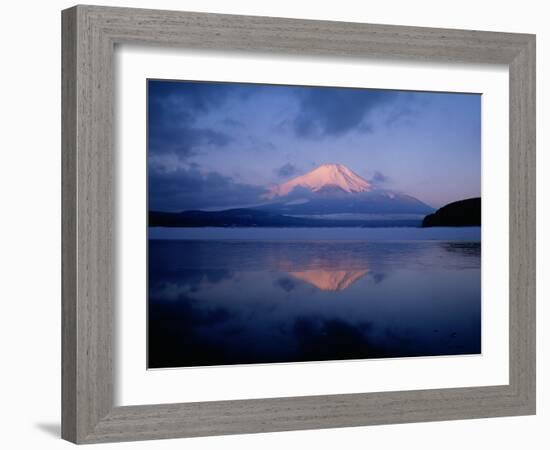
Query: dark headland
[[464, 213]]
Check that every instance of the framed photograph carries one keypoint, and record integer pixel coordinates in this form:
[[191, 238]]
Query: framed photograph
[[277, 224]]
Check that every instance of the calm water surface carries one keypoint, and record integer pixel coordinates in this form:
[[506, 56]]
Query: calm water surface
[[235, 300]]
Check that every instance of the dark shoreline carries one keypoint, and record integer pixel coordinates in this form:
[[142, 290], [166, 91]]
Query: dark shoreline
[[249, 218]]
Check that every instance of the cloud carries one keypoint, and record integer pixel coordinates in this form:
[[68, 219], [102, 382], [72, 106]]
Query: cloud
[[174, 112], [233, 123], [333, 112], [197, 97], [188, 188], [259, 144], [184, 141], [379, 178], [286, 170]]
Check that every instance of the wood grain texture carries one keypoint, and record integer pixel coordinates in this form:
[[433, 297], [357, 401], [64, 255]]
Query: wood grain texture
[[523, 223], [68, 225], [89, 36]]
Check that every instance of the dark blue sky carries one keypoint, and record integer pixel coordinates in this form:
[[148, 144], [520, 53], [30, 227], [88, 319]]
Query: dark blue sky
[[216, 145]]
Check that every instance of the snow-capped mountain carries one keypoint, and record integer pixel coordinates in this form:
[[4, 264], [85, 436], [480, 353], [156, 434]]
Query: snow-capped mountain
[[335, 189], [329, 196], [328, 177]]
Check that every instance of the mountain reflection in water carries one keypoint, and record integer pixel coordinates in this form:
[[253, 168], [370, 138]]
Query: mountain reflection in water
[[243, 302], [330, 280], [331, 271]]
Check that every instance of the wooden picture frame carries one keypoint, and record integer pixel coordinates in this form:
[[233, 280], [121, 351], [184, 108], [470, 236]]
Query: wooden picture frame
[[90, 34]]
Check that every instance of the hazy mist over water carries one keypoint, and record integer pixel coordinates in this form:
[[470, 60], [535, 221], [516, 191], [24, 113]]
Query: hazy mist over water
[[469, 234]]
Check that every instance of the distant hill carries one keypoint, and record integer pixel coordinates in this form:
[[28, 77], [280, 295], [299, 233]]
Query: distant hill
[[244, 217], [464, 213]]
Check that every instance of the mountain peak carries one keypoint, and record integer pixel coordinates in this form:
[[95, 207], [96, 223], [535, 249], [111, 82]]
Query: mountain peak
[[325, 177], [332, 166]]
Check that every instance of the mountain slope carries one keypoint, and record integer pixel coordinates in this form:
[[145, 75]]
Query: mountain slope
[[373, 202]]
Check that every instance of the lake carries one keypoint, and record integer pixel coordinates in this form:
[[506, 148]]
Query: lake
[[221, 296]]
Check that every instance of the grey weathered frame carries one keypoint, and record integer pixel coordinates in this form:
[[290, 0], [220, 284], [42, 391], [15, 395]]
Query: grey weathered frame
[[89, 36]]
